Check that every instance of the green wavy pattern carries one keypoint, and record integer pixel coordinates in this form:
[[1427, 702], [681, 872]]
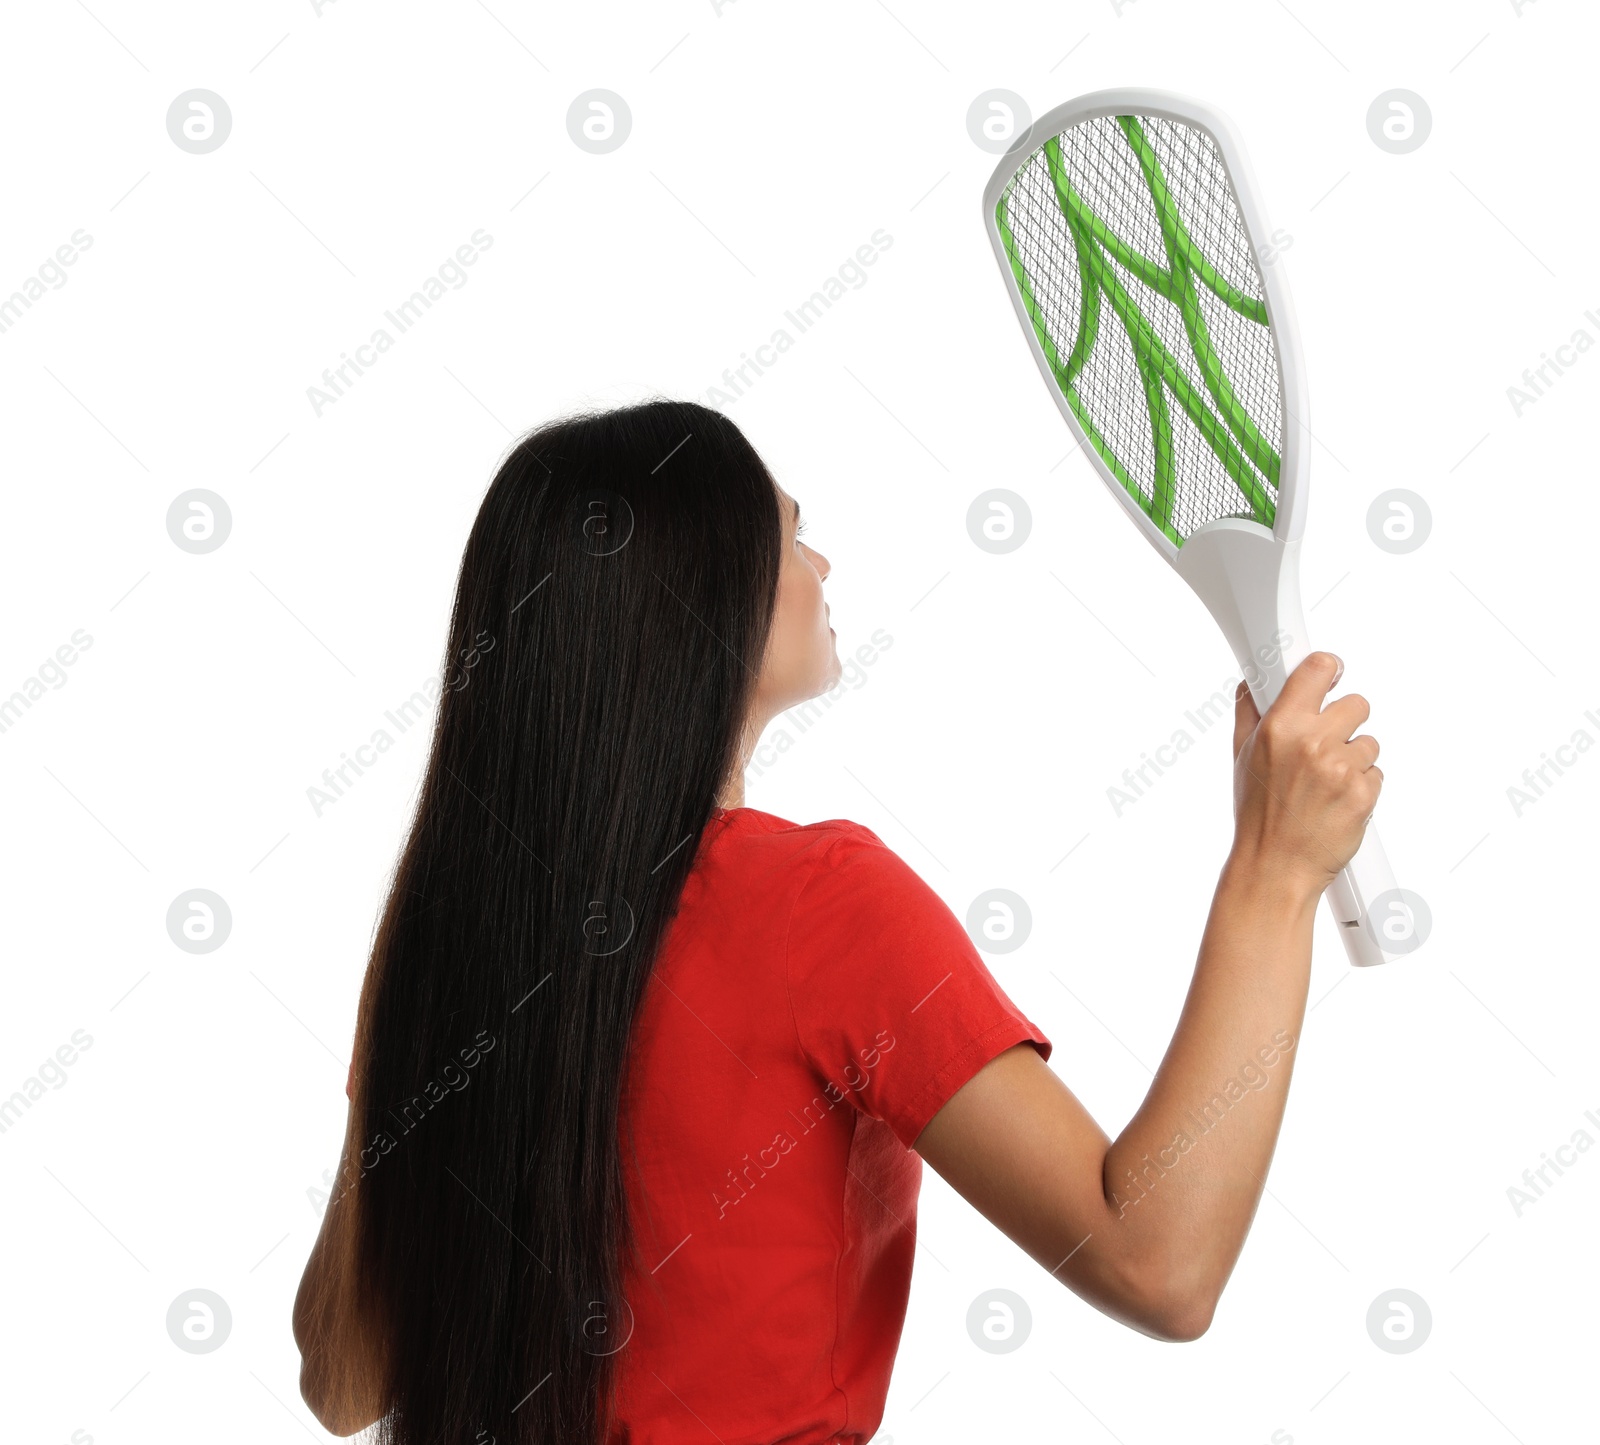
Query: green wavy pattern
[[1217, 414]]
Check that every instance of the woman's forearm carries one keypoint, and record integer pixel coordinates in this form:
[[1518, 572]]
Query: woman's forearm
[[340, 1372], [1186, 1174]]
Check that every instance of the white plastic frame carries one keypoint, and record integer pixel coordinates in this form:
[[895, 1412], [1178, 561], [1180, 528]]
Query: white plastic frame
[[1247, 575]]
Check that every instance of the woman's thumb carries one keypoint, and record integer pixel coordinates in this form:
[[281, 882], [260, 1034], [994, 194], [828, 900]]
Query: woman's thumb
[[1245, 716]]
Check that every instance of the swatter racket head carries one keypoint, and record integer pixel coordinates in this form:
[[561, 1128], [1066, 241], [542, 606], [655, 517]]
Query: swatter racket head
[[1128, 232]]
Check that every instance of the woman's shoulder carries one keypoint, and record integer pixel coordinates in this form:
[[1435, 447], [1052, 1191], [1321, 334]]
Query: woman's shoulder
[[777, 856], [780, 878], [827, 837], [835, 866]]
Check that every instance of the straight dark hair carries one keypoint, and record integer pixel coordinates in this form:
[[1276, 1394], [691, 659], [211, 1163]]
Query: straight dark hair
[[612, 611]]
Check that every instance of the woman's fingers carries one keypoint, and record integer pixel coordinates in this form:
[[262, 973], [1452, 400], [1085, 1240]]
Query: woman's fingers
[[1346, 714], [1304, 782], [1309, 683], [1365, 750]]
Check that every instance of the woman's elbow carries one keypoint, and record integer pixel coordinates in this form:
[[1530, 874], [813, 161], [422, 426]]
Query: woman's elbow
[[314, 1391], [335, 1411], [1184, 1321], [1170, 1307]]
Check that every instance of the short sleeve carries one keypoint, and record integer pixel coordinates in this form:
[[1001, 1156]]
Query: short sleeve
[[892, 1003]]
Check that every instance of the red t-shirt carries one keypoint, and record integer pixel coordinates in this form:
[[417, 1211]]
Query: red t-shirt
[[814, 1004]]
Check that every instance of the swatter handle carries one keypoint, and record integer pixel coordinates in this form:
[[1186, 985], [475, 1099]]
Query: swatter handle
[[1249, 581], [1365, 902]]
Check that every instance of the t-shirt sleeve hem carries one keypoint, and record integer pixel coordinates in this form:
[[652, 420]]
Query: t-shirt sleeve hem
[[949, 1080]]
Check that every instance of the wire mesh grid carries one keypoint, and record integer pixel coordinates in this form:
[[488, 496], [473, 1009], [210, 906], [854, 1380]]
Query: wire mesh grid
[[1219, 456]]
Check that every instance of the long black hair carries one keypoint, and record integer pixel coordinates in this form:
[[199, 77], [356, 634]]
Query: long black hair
[[612, 611]]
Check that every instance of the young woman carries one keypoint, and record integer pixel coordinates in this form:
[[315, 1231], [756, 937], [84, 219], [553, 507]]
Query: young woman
[[643, 1076]]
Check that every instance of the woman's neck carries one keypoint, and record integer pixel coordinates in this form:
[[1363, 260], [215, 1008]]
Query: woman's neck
[[732, 794]]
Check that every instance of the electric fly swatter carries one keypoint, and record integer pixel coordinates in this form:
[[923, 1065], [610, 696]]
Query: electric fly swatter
[[1127, 230]]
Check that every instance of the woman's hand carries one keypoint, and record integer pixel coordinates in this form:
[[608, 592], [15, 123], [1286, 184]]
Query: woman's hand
[[1303, 787]]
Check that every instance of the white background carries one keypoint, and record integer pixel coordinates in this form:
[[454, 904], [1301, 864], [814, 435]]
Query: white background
[[770, 141]]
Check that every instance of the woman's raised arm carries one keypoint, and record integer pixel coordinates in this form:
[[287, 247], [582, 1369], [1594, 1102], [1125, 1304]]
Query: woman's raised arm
[[1148, 1228]]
